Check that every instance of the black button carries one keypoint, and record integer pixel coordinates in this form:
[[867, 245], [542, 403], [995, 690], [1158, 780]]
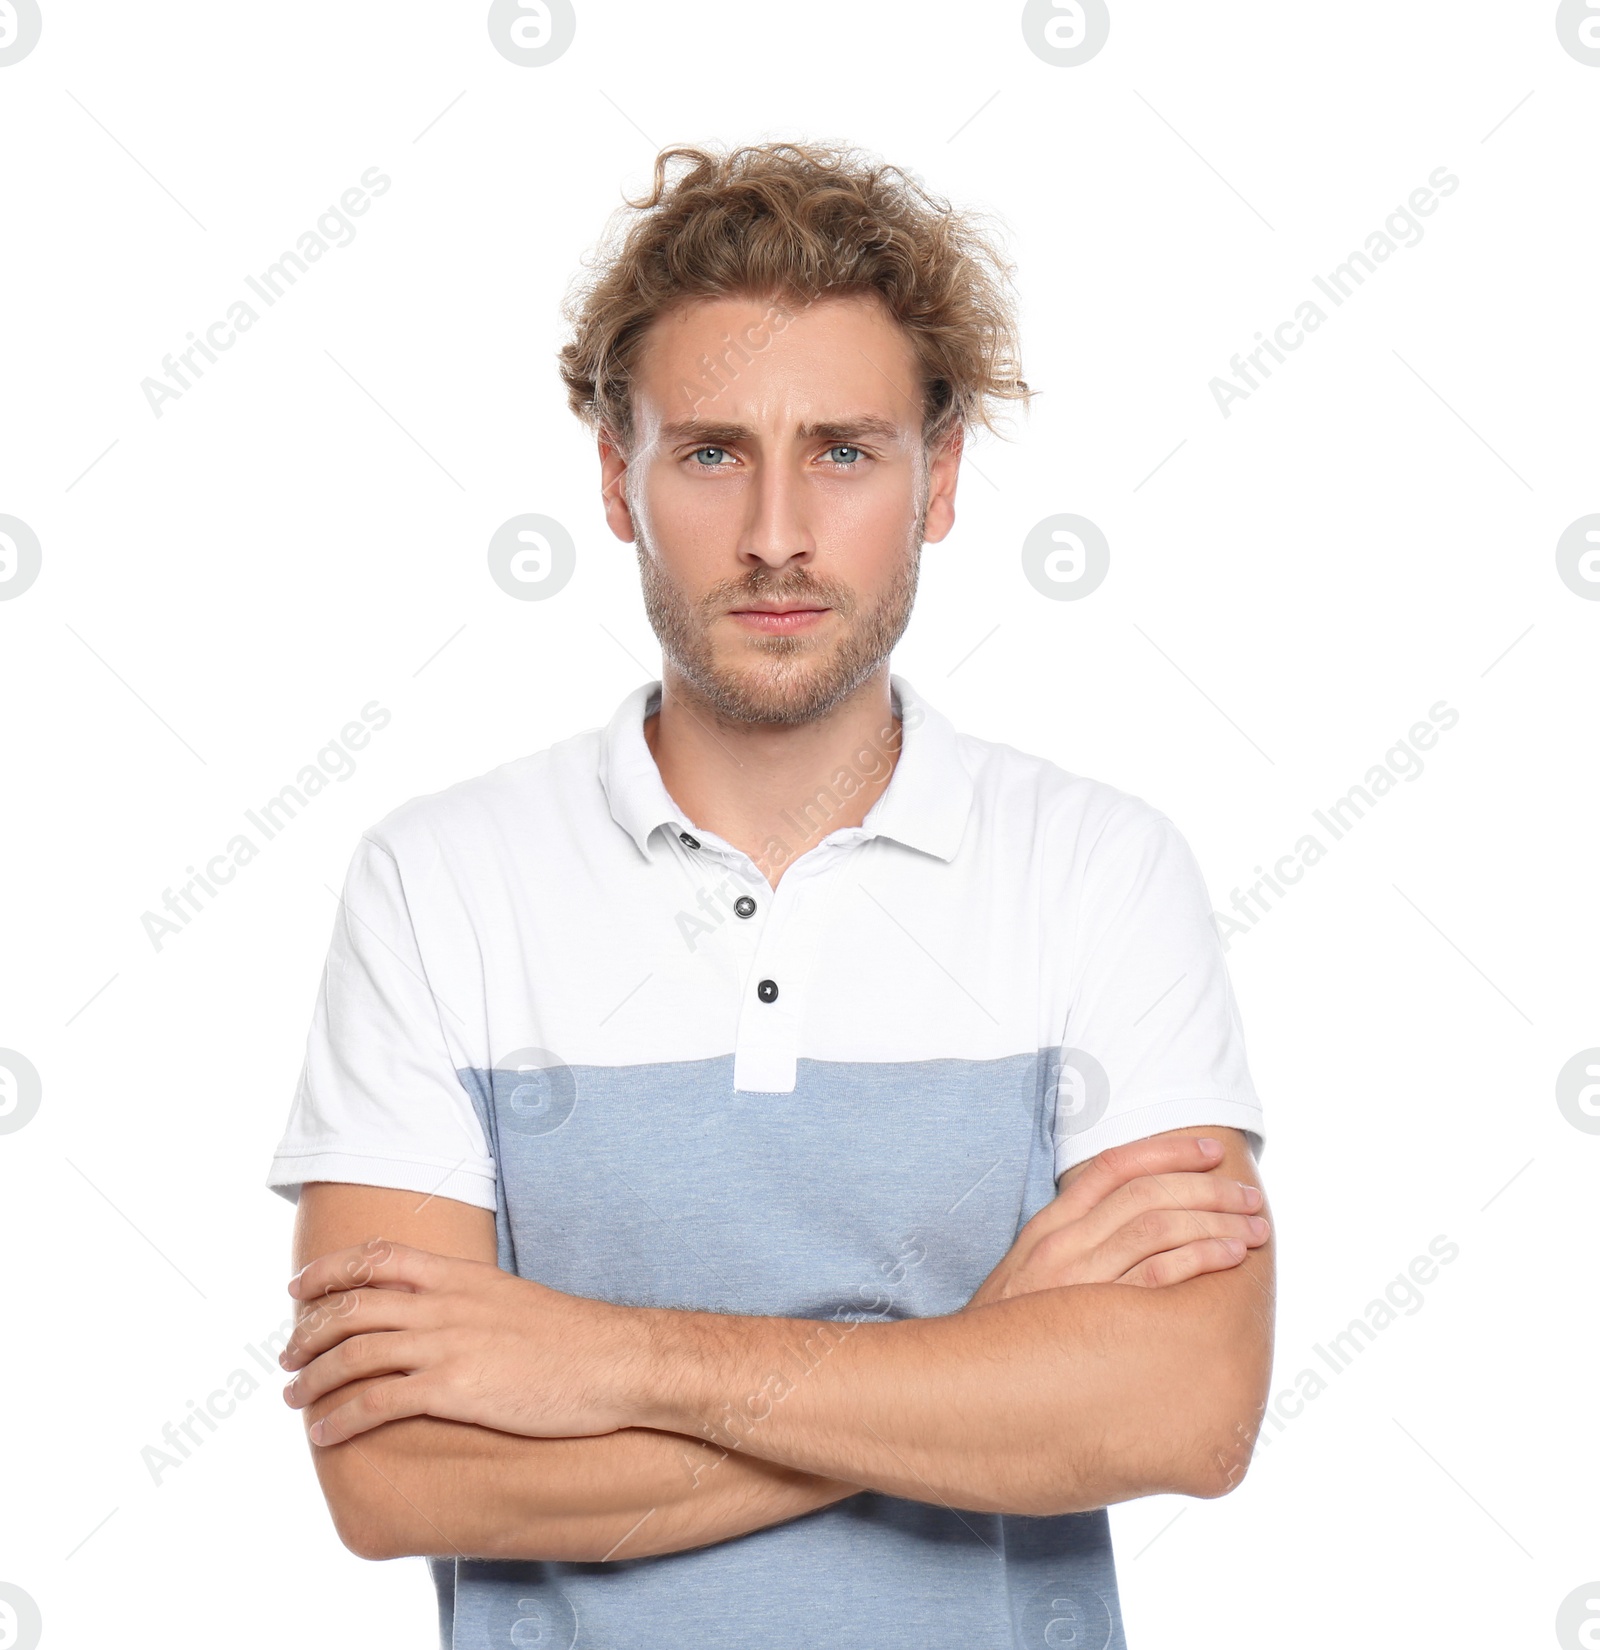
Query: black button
[[767, 991], [687, 840], [745, 906]]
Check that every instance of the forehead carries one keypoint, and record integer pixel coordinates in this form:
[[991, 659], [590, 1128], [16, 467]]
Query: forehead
[[775, 363]]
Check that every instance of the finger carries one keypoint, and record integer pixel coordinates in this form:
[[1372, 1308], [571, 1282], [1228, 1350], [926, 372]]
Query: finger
[[1066, 1256], [1155, 1194], [389, 1353], [337, 1317], [1109, 1174], [1117, 1165], [1180, 1191], [1190, 1261], [1158, 1230], [378, 1261], [382, 1401]]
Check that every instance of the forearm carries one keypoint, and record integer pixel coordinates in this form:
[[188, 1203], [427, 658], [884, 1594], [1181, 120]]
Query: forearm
[[422, 1486], [1058, 1401]]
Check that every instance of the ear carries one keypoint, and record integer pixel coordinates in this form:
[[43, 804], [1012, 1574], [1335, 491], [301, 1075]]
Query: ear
[[944, 470], [613, 476]]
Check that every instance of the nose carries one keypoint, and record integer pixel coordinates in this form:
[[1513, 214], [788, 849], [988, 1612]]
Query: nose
[[777, 531]]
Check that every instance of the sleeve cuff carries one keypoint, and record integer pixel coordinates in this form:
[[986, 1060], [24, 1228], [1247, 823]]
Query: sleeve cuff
[[463, 1182], [1144, 1121]]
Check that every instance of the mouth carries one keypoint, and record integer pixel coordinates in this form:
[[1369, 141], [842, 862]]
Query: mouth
[[777, 618]]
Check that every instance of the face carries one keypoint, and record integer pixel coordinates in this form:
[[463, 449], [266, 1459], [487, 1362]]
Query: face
[[778, 495]]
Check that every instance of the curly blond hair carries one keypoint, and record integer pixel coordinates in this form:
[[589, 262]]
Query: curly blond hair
[[791, 223]]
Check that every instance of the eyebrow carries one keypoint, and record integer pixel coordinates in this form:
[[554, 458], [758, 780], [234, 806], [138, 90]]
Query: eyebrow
[[710, 433]]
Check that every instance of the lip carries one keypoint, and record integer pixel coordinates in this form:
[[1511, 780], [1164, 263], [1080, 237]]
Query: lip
[[778, 620]]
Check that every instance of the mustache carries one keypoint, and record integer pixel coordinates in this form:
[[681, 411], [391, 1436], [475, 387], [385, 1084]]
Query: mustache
[[765, 590]]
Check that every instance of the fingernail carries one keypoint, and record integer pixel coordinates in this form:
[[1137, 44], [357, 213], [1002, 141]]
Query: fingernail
[[1234, 1247], [1252, 1195], [1258, 1226], [1211, 1148], [317, 1429]]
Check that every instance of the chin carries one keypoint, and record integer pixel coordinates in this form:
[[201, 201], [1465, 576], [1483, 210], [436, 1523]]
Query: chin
[[781, 684]]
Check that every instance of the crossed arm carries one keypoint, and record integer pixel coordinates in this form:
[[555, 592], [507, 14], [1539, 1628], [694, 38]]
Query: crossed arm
[[1118, 1350]]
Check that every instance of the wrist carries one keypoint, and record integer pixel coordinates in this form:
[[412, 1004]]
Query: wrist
[[636, 1364], [698, 1373], [656, 1370]]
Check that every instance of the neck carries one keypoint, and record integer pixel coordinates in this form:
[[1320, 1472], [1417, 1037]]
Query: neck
[[774, 789]]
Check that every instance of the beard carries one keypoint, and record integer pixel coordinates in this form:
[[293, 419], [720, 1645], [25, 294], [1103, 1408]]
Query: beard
[[777, 679]]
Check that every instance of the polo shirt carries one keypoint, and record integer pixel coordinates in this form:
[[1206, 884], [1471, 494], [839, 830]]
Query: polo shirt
[[552, 994]]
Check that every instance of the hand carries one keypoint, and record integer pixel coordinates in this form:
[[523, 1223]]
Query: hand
[[1149, 1214], [463, 1340]]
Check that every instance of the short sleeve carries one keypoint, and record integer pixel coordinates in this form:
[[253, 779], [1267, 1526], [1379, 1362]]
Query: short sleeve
[[379, 1102], [1153, 1039]]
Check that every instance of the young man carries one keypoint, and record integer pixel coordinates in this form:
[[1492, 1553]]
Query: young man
[[807, 1151]]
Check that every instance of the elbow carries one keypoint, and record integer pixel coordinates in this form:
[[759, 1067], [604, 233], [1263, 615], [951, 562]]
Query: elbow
[[1220, 1454], [363, 1532], [369, 1517], [377, 1525], [1226, 1415], [1222, 1472], [361, 1480], [370, 1543], [1207, 1461]]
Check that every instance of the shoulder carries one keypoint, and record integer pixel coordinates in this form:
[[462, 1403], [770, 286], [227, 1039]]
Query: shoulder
[[1073, 818], [516, 804]]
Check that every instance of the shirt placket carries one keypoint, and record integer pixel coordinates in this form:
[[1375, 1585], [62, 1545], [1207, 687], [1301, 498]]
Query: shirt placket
[[782, 965], [773, 937]]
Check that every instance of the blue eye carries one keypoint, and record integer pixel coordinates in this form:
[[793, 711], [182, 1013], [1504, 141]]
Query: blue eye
[[844, 448], [701, 451]]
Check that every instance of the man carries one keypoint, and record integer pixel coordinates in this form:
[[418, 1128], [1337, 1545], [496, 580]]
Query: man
[[806, 1151]]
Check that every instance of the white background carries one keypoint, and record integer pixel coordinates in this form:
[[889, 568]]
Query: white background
[[223, 587]]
